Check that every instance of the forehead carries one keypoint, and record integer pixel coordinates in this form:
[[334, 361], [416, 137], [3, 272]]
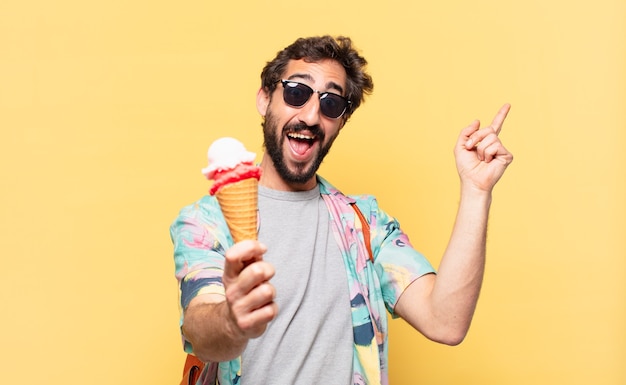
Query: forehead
[[319, 73]]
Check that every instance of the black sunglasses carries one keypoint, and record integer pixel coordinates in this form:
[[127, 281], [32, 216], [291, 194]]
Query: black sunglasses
[[297, 94]]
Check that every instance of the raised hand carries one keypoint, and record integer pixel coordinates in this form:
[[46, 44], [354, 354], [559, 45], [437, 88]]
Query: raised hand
[[249, 294], [481, 158]]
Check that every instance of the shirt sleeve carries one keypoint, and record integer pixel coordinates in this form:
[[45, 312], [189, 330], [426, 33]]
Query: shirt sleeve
[[397, 262], [200, 238]]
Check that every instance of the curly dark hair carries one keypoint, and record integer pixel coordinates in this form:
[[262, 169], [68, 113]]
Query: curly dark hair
[[314, 49]]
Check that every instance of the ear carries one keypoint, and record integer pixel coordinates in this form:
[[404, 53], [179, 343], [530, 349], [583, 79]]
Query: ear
[[344, 120], [262, 101]]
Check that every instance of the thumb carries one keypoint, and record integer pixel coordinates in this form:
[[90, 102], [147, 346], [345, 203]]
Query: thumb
[[466, 133], [240, 255]]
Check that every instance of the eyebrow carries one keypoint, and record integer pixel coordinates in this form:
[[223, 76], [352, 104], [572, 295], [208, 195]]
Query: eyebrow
[[329, 85]]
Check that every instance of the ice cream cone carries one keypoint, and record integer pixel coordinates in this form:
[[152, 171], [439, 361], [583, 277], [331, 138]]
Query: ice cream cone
[[239, 205]]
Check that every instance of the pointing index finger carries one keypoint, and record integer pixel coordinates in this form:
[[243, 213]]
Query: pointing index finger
[[498, 120]]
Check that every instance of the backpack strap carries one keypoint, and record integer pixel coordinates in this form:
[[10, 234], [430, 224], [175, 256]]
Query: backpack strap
[[365, 226], [192, 369]]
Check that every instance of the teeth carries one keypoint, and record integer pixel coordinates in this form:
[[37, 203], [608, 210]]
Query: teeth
[[296, 135]]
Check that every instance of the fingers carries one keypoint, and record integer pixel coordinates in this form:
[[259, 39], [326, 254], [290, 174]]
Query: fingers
[[241, 255], [486, 144], [244, 269], [498, 120], [249, 294], [472, 136], [253, 311], [490, 148], [465, 141], [253, 276]]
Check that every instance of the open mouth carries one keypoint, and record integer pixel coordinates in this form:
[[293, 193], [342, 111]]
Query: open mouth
[[301, 143]]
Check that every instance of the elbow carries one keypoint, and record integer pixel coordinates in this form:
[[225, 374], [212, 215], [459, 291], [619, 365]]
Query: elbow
[[212, 354], [453, 339], [451, 336]]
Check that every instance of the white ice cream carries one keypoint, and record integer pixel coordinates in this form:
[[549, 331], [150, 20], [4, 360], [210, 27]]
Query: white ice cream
[[225, 154]]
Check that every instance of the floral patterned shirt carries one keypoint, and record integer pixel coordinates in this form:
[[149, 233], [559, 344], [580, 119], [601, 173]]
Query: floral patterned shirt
[[200, 236]]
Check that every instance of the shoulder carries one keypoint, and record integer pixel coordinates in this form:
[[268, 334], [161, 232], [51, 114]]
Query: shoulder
[[367, 203], [363, 200], [205, 206], [203, 212]]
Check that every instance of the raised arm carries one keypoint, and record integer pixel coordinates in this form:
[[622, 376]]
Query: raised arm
[[442, 306]]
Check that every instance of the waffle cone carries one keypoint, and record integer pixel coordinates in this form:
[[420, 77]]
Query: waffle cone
[[239, 205]]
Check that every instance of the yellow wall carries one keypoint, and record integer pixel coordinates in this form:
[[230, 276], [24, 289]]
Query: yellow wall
[[107, 108]]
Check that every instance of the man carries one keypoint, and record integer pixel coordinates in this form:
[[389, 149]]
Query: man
[[304, 304]]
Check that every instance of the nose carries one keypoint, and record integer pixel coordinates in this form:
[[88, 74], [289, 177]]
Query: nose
[[309, 114]]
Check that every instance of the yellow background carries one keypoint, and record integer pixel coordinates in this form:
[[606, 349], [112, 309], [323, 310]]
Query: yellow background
[[107, 109]]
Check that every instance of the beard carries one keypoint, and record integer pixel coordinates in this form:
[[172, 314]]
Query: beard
[[274, 139]]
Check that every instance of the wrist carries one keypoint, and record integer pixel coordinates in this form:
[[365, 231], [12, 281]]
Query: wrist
[[471, 193]]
